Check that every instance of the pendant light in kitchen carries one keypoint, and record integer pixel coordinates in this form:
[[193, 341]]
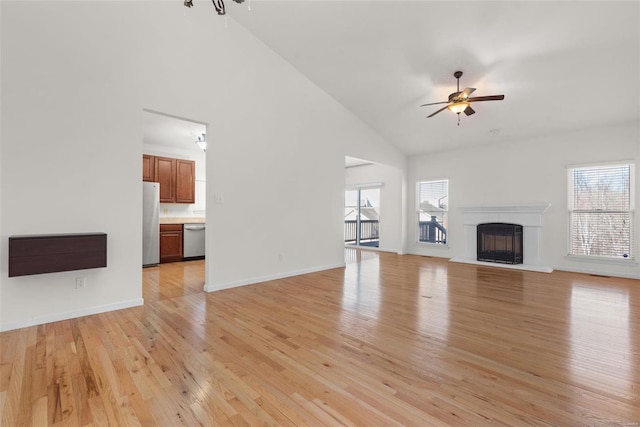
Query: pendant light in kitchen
[[202, 142]]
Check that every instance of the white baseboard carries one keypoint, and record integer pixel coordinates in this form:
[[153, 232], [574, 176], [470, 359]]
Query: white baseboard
[[261, 279], [526, 267], [373, 248], [599, 272], [71, 314]]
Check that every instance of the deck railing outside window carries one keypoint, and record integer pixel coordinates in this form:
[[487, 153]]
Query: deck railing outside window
[[432, 231], [369, 228]]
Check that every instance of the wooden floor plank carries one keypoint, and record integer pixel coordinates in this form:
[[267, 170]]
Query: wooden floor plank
[[387, 340]]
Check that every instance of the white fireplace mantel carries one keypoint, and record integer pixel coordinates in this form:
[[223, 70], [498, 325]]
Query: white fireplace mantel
[[535, 208], [525, 215], [530, 216]]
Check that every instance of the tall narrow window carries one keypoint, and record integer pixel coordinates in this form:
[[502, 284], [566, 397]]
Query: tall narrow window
[[433, 202], [601, 211]]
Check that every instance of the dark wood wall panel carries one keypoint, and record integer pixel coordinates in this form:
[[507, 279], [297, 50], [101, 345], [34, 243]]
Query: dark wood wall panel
[[52, 253]]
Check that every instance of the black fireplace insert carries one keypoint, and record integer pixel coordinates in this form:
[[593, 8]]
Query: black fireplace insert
[[500, 242]]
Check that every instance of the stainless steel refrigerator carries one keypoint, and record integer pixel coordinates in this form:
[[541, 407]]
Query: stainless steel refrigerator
[[150, 223]]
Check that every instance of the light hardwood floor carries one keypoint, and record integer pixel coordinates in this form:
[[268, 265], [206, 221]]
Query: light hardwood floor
[[388, 340]]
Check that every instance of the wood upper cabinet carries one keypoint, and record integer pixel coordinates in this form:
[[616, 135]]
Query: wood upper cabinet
[[177, 177], [165, 174], [185, 181], [148, 168], [170, 242]]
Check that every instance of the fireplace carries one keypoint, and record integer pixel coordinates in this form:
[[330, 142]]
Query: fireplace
[[529, 216], [500, 242]]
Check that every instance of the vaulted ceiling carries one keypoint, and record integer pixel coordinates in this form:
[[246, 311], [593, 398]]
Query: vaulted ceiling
[[562, 65]]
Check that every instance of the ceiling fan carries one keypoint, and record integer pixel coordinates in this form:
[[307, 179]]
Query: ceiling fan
[[459, 101]]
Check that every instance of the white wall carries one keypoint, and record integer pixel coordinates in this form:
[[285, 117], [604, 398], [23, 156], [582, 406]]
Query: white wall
[[3, 253], [522, 172], [183, 210], [71, 147], [391, 212], [75, 79]]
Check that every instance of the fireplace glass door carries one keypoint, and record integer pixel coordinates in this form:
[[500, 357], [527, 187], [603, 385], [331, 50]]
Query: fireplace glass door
[[500, 242]]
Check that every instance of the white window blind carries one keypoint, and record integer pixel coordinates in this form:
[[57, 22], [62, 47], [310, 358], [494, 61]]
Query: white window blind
[[433, 206], [601, 211]]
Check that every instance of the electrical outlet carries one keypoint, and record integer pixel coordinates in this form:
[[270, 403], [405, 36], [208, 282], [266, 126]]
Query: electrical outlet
[[81, 282]]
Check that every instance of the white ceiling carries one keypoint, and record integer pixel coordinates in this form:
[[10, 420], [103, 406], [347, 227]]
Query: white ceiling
[[168, 131], [561, 65]]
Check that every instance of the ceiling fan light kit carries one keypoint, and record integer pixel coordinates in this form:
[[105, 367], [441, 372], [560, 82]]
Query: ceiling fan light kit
[[459, 101], [458, 107]]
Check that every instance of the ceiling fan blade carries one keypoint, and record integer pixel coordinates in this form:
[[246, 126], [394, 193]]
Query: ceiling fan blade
[[468, 91], [433, 114], [469, 111], [435, 103], [486, 98]]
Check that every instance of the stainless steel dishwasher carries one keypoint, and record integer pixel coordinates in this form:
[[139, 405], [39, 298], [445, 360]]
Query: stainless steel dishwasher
[[194, 240]]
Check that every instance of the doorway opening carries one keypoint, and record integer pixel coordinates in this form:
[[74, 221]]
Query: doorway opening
[[174, 168], [362, 217]]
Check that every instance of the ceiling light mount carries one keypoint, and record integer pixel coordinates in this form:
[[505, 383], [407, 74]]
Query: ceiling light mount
[[217, 4]]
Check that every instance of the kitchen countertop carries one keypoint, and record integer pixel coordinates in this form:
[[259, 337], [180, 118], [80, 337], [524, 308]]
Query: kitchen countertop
[[184, 220]]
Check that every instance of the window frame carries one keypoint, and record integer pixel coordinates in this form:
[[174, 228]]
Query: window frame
[[417, 217], [631, 212]]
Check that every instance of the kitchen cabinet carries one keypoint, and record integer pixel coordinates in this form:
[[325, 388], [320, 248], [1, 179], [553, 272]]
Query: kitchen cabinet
[[165, 174], [170, 243], [176, 177], [148, 168], [185, 181]]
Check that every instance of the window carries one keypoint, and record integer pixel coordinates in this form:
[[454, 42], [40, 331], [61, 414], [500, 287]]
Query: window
[[433, 202], [601, 211], [362, 217]]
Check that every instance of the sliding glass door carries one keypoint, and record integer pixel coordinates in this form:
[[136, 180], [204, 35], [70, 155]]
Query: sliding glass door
[[362, 217]]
